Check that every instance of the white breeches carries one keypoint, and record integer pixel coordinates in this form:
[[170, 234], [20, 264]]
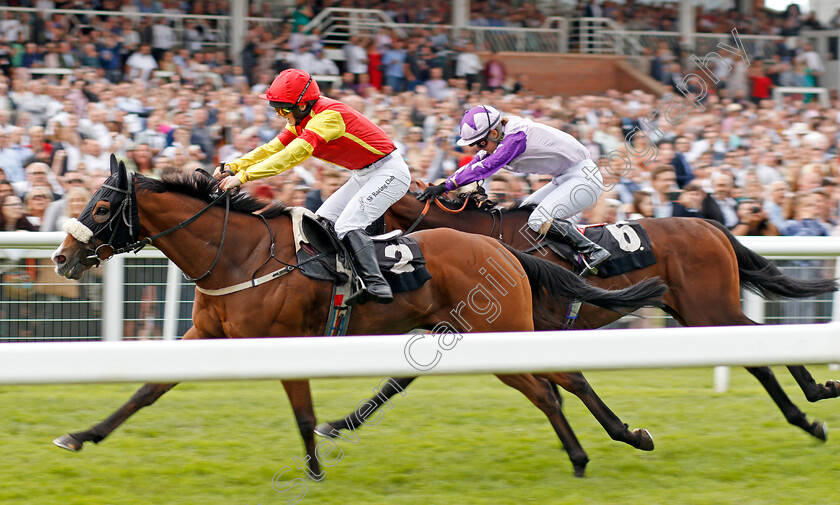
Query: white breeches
[[367, 195], [566, 196]]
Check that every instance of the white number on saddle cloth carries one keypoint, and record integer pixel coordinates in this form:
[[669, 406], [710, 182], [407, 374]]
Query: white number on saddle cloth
[[627, 238], [404, 265]]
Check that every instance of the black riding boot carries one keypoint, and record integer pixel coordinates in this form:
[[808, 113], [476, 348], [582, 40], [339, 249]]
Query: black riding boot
[[565, 232], [375, 286]]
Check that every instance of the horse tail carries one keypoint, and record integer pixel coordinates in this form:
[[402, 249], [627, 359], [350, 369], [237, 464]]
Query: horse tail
[[551, 281], [761, 276]]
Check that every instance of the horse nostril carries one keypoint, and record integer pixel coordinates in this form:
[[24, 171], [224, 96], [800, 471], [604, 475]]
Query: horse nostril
[[60, 259]]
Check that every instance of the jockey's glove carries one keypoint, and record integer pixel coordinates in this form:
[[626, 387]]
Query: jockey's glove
[[432, 192]]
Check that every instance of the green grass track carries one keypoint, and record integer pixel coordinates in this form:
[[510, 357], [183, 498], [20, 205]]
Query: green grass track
[[450, 440]]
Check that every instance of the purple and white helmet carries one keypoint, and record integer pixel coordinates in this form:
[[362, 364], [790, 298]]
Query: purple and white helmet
[[477, 123]]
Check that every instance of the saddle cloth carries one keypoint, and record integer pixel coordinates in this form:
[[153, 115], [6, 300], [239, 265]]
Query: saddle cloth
[[401, 260], [628, 243]]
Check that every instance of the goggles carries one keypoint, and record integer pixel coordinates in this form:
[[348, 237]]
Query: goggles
[[481, 144], [285, 108]]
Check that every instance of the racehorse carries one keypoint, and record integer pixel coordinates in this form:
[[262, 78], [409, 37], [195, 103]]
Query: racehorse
[[701, 262], [195, 228]]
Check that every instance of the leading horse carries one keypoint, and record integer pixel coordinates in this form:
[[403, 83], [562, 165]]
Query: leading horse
[[196, 229], [701, 262]]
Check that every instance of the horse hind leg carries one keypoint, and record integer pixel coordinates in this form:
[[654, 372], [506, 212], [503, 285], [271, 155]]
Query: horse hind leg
[[300, 396], [730, 314], [813, 390], [791, 412], [577, 384], [355, 418], [542, 394]]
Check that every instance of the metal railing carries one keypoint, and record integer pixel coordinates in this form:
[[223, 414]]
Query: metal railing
[[631, 42], [218, 29], [337, 25], [140, 296], [145, 297]]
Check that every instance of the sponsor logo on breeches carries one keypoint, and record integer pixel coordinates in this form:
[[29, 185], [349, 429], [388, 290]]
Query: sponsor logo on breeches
[[380, 189]]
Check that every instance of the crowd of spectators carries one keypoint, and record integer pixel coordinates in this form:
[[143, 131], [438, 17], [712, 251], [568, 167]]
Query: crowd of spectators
[[169, 102], [664, 16]]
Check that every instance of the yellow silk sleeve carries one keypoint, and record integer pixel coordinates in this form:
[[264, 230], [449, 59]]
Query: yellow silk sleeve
[[328, 124], [293, 154], [257, 155]]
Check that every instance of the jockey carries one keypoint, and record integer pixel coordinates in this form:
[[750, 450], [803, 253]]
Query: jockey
[[521, 145], [334, 132]]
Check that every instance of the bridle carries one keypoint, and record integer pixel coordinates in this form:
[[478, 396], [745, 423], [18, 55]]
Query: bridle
[[126, 212]]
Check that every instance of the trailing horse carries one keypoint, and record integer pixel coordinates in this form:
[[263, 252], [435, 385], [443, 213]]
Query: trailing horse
[[701, 262], [196, 229]]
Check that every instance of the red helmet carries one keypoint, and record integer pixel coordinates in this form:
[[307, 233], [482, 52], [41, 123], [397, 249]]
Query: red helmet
[[292, 87]]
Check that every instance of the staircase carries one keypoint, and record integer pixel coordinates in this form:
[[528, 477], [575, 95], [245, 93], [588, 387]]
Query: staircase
[[337, 24]]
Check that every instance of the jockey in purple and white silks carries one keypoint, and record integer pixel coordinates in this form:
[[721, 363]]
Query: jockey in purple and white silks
[[521, 145]]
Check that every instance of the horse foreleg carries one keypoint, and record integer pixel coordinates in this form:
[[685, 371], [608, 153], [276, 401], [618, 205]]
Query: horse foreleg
[[577, 384], [791, 412], [541, 393], [144, 397], [300, 396], [813, 390], [356, 418]]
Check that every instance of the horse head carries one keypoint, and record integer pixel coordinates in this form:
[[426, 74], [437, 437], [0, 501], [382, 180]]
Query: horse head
[[109, 221]]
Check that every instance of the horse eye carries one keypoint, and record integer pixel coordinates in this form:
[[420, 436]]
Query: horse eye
[[101, 212]]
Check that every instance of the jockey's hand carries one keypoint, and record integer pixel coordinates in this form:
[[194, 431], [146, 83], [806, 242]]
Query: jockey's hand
[[220, 172], [432, 192], [230, 182]]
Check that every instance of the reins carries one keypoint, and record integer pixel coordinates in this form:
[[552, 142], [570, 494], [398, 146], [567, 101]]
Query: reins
[[451, 211], [140, 244], [420, 217]]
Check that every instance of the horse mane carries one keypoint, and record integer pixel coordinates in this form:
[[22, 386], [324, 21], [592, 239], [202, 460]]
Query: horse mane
[[206, 189]]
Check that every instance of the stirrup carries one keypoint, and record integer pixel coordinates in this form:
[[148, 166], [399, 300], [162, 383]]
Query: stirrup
[[593, 270], [363, 296], [587, 268]]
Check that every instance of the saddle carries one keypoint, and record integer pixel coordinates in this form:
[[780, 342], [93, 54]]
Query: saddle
[[627, 242], [400, 258]]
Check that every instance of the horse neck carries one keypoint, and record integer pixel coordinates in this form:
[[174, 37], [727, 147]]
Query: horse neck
[[471, 221], [193, 248]]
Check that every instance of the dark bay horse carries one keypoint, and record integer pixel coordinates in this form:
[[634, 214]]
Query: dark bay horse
[[703, 265], [196, 230]]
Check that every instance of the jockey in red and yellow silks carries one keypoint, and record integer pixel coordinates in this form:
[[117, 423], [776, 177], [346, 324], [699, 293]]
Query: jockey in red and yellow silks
[[332, 131]]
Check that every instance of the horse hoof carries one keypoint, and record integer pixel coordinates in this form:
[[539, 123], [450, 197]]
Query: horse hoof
[[68, 442], [579, 471], [820, 430], [325, 430], [645, 440]]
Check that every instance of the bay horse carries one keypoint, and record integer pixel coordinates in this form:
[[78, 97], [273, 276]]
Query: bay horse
[[196, 228], [701, 262]]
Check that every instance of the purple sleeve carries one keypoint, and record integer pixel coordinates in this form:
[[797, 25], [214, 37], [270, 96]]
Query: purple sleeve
[[477, 169]]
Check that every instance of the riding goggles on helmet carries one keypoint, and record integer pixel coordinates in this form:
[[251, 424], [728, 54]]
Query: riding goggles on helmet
[[285, 108]]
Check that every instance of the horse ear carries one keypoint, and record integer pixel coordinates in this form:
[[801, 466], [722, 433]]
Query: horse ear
[[122, 174], [114, 166]]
